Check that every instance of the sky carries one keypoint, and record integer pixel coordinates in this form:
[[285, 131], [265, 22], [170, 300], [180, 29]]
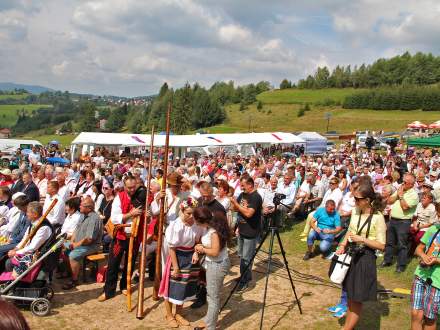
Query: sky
[[131, 47]]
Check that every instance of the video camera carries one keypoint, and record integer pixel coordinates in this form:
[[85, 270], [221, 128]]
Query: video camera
[[277, 198]]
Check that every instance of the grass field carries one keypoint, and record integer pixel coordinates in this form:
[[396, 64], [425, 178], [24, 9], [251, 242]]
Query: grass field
[[283, 117], [13, 96], [8, 112], [64, 140], [301, 96]]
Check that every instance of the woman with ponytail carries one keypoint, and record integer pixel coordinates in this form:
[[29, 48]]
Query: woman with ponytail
[[216, 264], [365, 235]]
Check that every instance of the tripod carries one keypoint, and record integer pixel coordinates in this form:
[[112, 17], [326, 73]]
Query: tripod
[[272, 231]]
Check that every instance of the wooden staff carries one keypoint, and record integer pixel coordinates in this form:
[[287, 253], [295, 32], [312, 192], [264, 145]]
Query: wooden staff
[[133, 235], [158, 274], [38, 225], [140, 304]]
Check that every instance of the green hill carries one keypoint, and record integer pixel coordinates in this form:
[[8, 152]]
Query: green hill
[[301, 96], [13, 96], [284, 117], [8, 112]]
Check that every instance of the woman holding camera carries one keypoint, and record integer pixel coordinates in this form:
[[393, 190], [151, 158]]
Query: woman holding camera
[[366, 233]]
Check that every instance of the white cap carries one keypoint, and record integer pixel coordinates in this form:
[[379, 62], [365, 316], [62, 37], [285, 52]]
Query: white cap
[[17, 194]]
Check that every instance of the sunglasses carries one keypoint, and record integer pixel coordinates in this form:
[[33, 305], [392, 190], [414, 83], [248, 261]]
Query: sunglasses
[[357, 199], [333, 183]]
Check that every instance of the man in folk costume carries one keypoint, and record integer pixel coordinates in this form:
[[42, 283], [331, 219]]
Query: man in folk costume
[[173, 197], [123, 212]]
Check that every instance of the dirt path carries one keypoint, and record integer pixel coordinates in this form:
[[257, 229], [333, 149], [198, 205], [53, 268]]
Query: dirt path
[[80, 310]]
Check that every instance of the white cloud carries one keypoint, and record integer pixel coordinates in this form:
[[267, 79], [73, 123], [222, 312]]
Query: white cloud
[[130, 47], [60, 69]]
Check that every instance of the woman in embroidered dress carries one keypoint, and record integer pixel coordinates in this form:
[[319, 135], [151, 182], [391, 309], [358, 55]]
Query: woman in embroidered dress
[[181, 271]]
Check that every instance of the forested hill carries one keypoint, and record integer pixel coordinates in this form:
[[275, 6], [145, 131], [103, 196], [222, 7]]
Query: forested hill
[[406, 69]]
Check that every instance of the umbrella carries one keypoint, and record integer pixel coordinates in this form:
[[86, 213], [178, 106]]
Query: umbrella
[[26, 151], [289, 155], [54, 142], [435, 125], [57, 160], [417, 124]]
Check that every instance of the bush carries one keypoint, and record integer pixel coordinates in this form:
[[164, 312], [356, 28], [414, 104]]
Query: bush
[[301, 112], [259, 105]]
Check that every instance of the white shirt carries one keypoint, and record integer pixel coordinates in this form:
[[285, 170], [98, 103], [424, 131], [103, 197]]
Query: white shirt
[[116, 214], [289, 191], [98, 159], [70, 223], [98, 202], [335, 195], [206, 242], [34, 158], [42, 187], [12, 217], [57, 214], [41, 236], [64, 193]]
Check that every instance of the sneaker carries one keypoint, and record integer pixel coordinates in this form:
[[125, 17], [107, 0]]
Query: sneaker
[[385, 264], [336, 308], [304, 239], [242, 287], [307, 256], [400, 269], [341, 313], [303, 235], [328, 256]]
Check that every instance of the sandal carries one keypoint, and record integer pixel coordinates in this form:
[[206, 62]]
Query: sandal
[[70, 285], [172, 323], [181, 320]]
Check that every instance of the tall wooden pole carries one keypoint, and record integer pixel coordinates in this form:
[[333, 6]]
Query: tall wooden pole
[[158, 274], [133, 236], [140, 304]]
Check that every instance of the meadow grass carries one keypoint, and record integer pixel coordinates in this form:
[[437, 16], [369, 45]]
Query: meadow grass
[[64, 140], [8, 112], [13, 96], [283, 117], [301, 96]]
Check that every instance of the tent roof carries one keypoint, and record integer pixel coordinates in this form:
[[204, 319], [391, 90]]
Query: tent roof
[[311, 136], [197, 140], [433, 141]]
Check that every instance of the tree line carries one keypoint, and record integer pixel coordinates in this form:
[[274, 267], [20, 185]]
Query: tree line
[[404, 97], [405, 69], [194, 107]]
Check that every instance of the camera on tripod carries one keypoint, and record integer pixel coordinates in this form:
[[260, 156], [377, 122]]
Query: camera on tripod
[[277, 198]]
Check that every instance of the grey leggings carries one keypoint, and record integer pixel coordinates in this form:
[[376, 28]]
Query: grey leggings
[[215, 274]]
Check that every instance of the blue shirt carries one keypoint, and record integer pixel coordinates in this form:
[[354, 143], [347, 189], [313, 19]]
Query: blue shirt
[[325, 220]]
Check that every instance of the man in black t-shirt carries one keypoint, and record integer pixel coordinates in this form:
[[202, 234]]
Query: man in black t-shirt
[[248, 206], [208, 200]]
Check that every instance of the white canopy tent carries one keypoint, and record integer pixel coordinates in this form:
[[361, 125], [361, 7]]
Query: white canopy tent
[[315, 143], [120, 140]]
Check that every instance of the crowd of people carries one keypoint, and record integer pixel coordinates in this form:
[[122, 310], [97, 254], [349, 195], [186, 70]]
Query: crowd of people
[[351, 201]]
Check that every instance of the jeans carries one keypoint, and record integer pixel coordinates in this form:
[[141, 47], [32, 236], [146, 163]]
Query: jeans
[[215, 274], [344, 298], [326, 240], [246, 250], [397, 234]]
